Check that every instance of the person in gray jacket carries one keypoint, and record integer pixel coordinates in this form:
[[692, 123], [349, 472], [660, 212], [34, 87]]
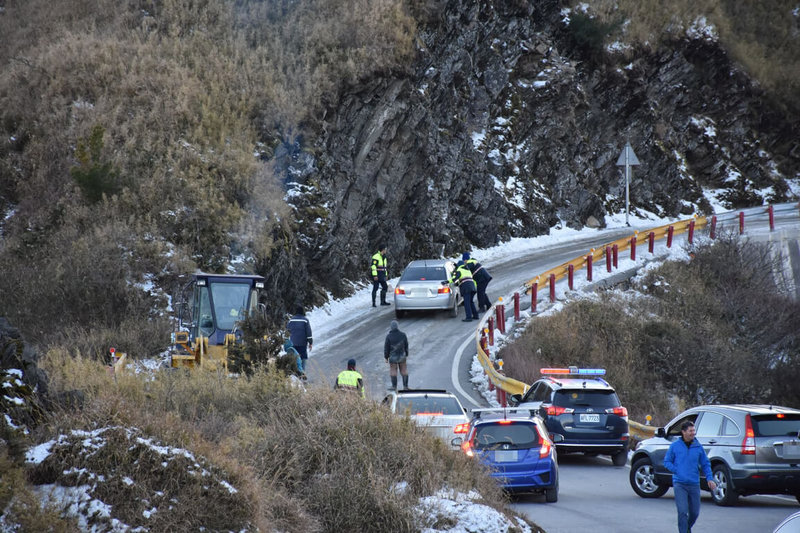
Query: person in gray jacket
[[395, 351]]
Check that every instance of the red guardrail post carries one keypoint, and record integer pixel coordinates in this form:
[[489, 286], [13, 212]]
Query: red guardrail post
[[691, 231], [571, 277], [670, 233], [498, 309], [713, 231], [651, 239], [516, 306], [501, 397], [771, 211], [552, 288], [534, 295], [589, 259], [490, 327], [503, 317], [608, 258], [483, 341], [616, 255], [741, 222], [633, 248]]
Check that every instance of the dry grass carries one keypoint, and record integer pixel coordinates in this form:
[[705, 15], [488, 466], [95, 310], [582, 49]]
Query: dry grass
[[313, 461], [715, 330]]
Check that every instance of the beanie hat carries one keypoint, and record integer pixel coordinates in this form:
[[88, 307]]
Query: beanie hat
[[393, 325], [465, 256], [299, 310], [351, 363]]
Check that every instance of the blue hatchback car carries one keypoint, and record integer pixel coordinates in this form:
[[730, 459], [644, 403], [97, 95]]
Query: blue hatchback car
[[515, 445]]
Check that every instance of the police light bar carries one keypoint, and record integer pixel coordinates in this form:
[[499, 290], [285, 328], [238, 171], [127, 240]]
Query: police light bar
[[572, 371]]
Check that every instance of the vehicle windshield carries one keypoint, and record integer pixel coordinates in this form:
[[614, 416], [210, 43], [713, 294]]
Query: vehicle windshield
[[424, 273], [517, 435], [772, 426], [444, 405], [585, 398], [230, 302]]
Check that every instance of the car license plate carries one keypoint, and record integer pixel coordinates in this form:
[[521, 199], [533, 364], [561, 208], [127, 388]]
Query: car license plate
[[505, 456], [791, 450], [589, 418]]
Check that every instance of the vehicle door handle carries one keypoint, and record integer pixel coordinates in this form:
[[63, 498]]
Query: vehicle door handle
[[712, 441]]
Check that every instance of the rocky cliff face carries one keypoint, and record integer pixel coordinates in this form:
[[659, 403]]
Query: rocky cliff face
[[505, 129]]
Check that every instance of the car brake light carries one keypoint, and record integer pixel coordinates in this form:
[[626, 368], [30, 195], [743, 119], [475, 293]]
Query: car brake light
[[554, 410], [444, 290], [544, 451], [466, 447], [619, 411], [749, 441], [461, 428], [504, 422], [399, 290]]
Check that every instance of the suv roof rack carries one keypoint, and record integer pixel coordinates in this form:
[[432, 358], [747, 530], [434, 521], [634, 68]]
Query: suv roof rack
[[505, 411]]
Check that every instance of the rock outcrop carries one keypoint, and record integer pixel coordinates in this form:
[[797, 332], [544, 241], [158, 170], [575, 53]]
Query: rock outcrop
[[502, 129]]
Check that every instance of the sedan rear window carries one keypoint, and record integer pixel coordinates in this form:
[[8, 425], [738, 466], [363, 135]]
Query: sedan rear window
[[424, 273], [518, 435], [585, 398], [428, 404], [776, 425]]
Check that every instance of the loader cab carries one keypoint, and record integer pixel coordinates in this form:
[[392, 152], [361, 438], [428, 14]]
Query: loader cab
[[218, 302], [212, 305]]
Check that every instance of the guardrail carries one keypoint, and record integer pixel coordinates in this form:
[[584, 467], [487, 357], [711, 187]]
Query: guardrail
[[505, 385]]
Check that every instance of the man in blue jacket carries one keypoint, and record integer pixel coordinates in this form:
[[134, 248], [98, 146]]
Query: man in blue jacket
[[300, 334], [684, 458]]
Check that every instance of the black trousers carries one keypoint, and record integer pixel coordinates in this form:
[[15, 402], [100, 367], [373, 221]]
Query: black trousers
[[381, 281], [483, 300]]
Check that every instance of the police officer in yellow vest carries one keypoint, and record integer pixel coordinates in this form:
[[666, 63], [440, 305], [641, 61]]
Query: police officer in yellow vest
[[378, 270], [350, 380], [463, 278]]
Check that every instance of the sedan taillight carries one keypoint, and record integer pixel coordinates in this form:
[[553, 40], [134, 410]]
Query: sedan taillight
[[444, 290], [461, 428], [749, 441], [399, 290]]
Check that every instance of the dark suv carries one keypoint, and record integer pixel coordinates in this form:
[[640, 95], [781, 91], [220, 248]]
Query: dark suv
[[580, 405], [753, 449]]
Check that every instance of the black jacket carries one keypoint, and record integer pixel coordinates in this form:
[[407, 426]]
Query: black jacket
[[396, 341]]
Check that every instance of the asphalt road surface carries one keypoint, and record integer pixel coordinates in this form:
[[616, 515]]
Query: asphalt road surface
[[596, 497]]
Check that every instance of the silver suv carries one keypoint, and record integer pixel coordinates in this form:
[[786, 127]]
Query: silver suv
[[753, 449]]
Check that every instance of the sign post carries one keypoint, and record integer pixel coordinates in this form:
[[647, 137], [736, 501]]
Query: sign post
[[627, 159]]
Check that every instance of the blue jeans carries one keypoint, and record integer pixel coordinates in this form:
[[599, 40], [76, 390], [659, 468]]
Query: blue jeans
[[687, 500]]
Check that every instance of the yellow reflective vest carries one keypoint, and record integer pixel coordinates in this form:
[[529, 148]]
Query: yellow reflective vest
[[350, 380], [378, 264], [463, 275]]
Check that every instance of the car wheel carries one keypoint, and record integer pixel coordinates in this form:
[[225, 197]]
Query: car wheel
[[797, 497], [643, 479], [619, 459], [398, 313], [725, 494], [454, 309], [551, 495]]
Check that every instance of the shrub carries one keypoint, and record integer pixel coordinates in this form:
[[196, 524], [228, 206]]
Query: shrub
[[717, 329]]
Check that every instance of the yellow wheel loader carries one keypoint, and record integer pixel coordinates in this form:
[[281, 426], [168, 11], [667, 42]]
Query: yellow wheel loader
[[211, 309]]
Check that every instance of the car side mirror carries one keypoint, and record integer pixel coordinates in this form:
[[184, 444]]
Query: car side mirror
[[456, 441], [661, 433], [515, 399], [444, 282], [556, 437]]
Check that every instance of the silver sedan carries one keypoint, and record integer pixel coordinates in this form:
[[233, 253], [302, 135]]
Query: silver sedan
[[425, 285]]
